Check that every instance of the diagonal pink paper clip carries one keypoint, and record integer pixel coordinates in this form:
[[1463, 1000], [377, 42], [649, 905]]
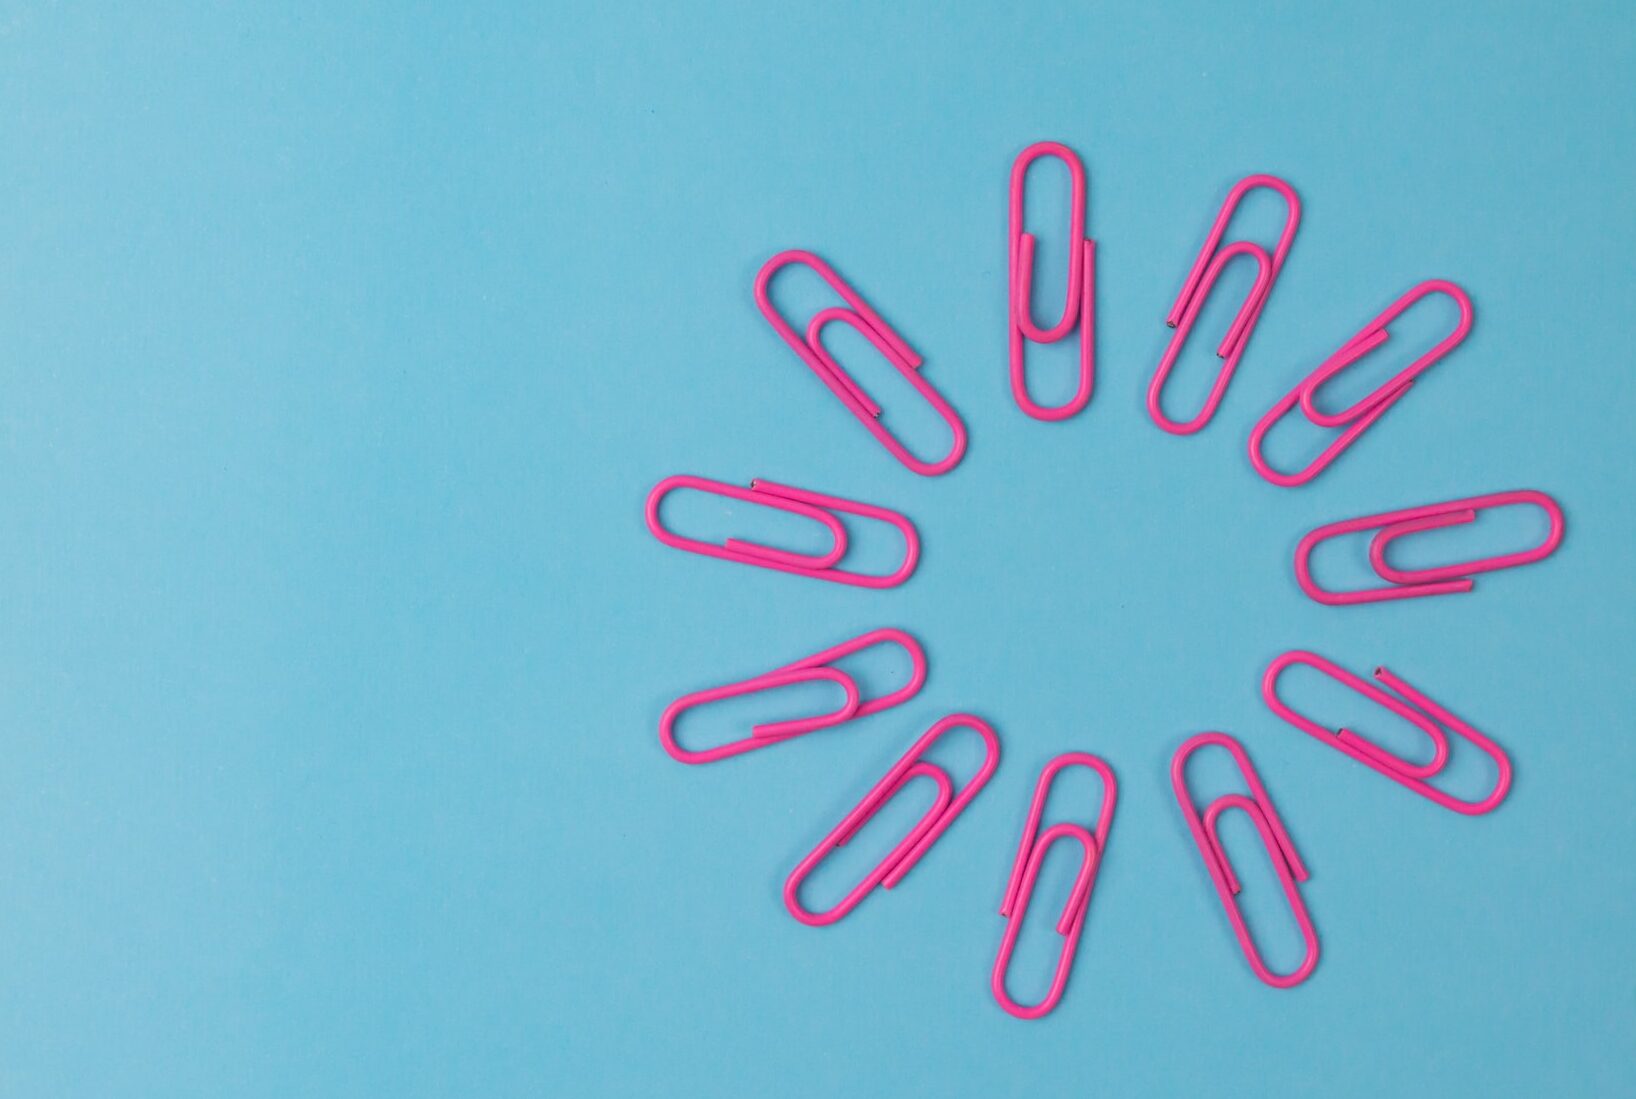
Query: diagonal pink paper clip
[[1412, 583], [1079, 308], [858, 315], [902, 858], [1357, 418], [811, 505], [815, 668], [1274, 837], [1025, 870], [1213, 259], [1407, 703]]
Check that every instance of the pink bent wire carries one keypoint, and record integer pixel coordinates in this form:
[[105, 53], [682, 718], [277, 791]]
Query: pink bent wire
[[1443, 580], [1280, 849], [1079, 308], [1357, 418], [1213, 259], [814, 668], [859, 316], [908, 851], [810, 505], [1030, 857], [1409, 704]]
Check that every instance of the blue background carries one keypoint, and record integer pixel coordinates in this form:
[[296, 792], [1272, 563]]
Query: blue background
[[341, 344]]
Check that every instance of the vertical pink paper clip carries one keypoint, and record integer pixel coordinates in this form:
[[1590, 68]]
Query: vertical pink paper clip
[[1280, 848], [1079, 309], [815, 668], [1407, 703], [1357, 418], [1213, 259], [908, 851], [1445, 579], [810, 505], [1030, 857], [867, 323]]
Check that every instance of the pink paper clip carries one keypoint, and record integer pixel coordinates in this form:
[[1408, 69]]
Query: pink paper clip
[[1079, 310], [1443, 580], [1030, 857], [868, 324], [797, 501], [1415, 708], [1213, 259], [903, 857], [1280, 848], [1364, 412], [814, 668]]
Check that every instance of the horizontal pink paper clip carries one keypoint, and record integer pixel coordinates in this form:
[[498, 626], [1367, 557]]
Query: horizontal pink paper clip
[[903, 857], [811, 505], [868, 324], [1407, 703], [814, 668], [1443, 580], [1357, 418], [1280, 848], [1030, 857], [1213, 259], [1079, 310]]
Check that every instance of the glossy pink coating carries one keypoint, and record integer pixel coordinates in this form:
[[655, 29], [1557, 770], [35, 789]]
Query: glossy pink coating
[[1280, 849], [908, 851], [808, 669], [1411, 583], [1357, 418], [1212, 260], [1407, 703], [811, 505], [892, 347], [1030, 857], [1079, 306]]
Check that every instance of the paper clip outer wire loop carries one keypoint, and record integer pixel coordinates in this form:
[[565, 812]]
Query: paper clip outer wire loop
[[1411, 705], [1361, 414], [811, 505], [902, 858], [814, 668], [1201, 280], [892, 347], [1025, 870], [1274, 837], [1079, 305], [1442, 580]]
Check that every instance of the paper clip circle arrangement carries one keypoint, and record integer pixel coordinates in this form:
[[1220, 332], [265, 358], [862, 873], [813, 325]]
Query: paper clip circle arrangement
[[1078, 316]]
